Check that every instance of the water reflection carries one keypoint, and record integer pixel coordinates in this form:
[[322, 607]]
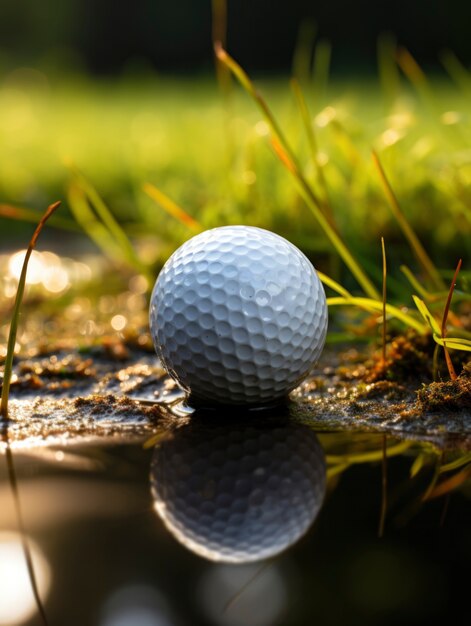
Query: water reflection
[[246, 594], [17, 603], [238, 492], [136, 605]]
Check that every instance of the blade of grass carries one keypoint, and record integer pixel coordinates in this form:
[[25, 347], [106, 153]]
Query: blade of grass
[[426, 295], [107, 218], [454, 343], [284, 158], [419, 462], [435, 371], [219, 17], [367, 457], [449, 485], [451, 369], [4, 415], [172, 208], [303, 52], [87, 219], [416, 76], [289, 159], [374, 306], [321, 69], [464, 459], [335, 470], [388, 72], [333, 284], [385, 270], [384, 488], [426, 92], [428, 317], [20, 521], [407, 229], [456, 70], [29, 215], [250, 88], [223, 75], [434, 478], [331, 233], [311, 136], [8, 367]]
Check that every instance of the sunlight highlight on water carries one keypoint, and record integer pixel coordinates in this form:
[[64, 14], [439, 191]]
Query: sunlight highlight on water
[[17, 603]]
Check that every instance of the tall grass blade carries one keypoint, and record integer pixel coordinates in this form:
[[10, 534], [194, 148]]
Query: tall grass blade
[[20, 521], [369, 456], [426, 295], [376, 306], [407, 229], [107, 218], [428, 317], [289, 159], [321, 69], [333, 284], [223, 74], [454, 343], [384, 488], [4, 416], [449, 485], [8, 367], [416, 76], [250, 88], [172, 208], [29, 215], [388, 72], [464, 459], [303, 52], [93, 227], [456, 70], [219, 17], [419, 462], [449, 363], [311, 137], [385, 271]]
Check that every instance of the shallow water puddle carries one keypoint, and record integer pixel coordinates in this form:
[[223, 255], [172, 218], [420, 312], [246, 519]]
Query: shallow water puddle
[[142, 513], [129, 532]]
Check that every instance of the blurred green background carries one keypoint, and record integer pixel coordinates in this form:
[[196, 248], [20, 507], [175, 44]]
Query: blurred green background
[[128, 94]]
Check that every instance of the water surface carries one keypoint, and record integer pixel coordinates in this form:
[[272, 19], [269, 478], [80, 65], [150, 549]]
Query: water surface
[[140, 533]]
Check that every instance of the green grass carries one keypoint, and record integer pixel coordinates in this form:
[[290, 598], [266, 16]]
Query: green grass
[[173, 134], [155, 160], [15, 317]]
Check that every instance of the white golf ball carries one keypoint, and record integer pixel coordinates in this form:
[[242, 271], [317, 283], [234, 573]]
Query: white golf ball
[[236, 492], [238, 316]]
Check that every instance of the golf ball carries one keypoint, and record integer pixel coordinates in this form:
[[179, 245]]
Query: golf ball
[[238, 316], [238, 493]]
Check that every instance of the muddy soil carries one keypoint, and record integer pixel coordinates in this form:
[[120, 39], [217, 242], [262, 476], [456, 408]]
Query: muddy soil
[[117, 389]]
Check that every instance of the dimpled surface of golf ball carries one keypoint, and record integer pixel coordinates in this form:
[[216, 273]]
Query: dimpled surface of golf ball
[[238, 316], [238, 493]]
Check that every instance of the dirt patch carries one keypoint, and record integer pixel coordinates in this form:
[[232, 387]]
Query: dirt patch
[[449, 397], [118, 388]]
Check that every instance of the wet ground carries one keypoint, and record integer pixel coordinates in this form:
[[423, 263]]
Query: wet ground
[[142, 513], [117, 387]]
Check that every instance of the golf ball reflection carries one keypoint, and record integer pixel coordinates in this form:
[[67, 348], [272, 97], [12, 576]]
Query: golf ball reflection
[[238, 493]]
